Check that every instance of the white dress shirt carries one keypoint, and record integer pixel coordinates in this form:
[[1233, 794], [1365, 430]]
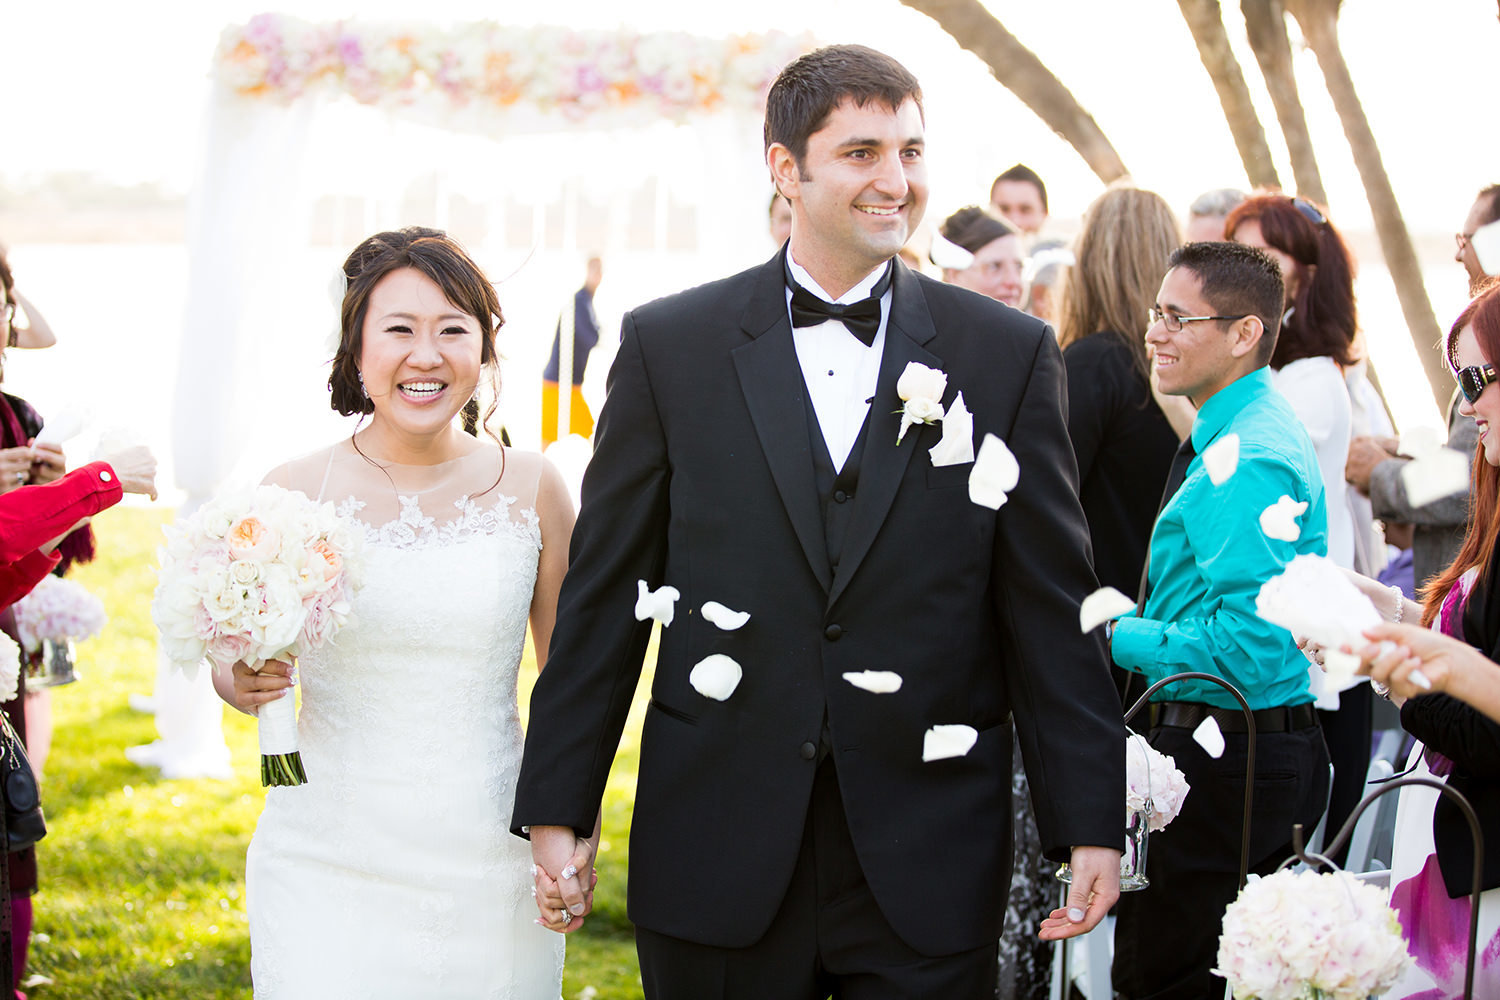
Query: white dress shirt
[[840, 371]]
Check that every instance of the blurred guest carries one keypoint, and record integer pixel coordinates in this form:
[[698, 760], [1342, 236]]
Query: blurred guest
[[29, 329], [992, 255], [1486, 209], [1043, 277], [1208, 211], [1021, 199], [584, 325], [780, 219], [1314, 355]]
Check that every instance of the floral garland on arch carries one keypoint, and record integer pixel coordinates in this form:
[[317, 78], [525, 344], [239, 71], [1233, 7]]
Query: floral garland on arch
[[553, 69]]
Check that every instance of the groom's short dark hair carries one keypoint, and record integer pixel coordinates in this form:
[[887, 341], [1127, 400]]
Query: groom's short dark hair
[[811, 86]]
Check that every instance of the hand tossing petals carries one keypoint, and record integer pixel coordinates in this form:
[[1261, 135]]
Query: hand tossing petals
[[716, 676], [941, 742], [660, 604], [994, 475]]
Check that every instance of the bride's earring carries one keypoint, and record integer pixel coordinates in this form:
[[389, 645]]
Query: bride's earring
[[363, 391]]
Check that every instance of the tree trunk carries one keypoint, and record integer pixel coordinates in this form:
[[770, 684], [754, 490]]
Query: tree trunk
[[1319, 22], [1265, 21], [1207, 25], [1026, 76]]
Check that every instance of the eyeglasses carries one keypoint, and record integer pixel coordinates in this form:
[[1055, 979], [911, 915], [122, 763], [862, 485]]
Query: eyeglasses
[[1473, 380], [1462, 239], [1174, 322], [1312, 212]]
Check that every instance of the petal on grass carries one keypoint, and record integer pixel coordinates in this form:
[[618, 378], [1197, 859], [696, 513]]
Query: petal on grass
[[941, 742], [1102, 605], [725, 618], [1221, 458], [875, 681], [716, 676], [994, 475], [660, 604]]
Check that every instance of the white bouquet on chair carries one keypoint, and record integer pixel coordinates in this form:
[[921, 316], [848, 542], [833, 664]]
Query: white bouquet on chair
[[1310, 936], [253, 577]]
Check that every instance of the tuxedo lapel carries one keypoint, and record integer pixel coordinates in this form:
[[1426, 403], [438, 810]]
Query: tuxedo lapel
[[909, 327], [771, 379]]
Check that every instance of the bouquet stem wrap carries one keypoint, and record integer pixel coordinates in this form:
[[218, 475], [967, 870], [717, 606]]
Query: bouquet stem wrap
[[280, 760]]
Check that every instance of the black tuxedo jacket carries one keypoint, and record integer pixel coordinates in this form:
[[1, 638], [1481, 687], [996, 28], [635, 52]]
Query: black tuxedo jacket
[[702, 479]]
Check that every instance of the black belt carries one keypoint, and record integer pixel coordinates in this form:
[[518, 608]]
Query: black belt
[[1188, 715]]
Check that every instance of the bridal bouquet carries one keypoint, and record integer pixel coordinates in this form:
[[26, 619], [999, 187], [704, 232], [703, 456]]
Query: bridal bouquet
[[257, 576], [1153, 784], [1310, 936], [58, 610]]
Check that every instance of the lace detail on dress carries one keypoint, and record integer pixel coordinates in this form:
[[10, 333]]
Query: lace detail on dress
[[413, 529]]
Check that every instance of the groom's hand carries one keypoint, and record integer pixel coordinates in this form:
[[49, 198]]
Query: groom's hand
[[563, 876], [1095, 888]]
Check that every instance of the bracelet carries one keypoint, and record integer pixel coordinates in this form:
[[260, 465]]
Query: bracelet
[[1400, 604]]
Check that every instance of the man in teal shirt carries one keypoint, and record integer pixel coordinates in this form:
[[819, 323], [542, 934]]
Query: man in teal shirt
[[1212, 332]]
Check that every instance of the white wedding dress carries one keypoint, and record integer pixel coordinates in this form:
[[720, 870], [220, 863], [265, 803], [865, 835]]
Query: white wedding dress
[[392, 872]]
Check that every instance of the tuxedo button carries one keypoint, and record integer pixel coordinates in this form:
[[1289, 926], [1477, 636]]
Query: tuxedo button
[[833, 633], [839, 496], [808, 751]]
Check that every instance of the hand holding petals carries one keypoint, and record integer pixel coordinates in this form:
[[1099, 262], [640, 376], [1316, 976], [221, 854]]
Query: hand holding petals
[[1221, 458], [660, 604], [716, 676], [948, 741], [994, 475], [875, 681], [1102, 605], [725, 618], [1279, 520]]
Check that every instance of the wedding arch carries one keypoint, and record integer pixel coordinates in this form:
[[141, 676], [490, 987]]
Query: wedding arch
[[531, 143]]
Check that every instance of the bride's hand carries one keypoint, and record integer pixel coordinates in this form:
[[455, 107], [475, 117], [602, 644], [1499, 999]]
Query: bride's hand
[[254, 688]]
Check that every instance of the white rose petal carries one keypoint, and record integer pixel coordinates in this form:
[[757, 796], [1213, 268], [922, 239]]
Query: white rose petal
[[957, 445], [660, 604], [716, 676], [919, 410], [1102, 605], [1419, 442], [725, 618], [1210, 737], [918, 381], [1339, 668], [1312, 598], [875, 681], [1221, 458], [994, 475], [949, 255], [1439, 473], [1279, 520], [948, 741]]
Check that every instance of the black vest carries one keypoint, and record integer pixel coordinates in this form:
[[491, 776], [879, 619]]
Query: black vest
[[836, 488]]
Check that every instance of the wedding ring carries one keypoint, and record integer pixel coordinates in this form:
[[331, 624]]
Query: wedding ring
[[20, 479], [565, 916]]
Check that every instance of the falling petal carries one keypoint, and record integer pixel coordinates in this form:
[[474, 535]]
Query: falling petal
[[957, 445], [1102, 605], [1210, 737], [949, 255], [1280, 519], [716, 676], [1419, 442], [1439, 473], [1221, 458], [1486, 244], [948, 741], [995, 473], [728, 620], [1338, 668], [875, 681], [660, 604], [1313, 599]]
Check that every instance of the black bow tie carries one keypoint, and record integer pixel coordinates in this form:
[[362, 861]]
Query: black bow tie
[[862, 318]]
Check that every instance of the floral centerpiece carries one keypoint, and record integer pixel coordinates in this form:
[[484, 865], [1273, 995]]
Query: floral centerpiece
[[54, 615], [1154, 793], [253, 577], [1310, 936]]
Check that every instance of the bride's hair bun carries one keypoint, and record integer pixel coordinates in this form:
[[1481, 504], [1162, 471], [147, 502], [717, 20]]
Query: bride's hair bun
[[435, 254]]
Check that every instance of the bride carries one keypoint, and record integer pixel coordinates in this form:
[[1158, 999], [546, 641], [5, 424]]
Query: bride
[[392, 873]]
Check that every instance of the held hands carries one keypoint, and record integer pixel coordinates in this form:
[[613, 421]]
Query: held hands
[[136, 469], [1095, 888], [565, 898]]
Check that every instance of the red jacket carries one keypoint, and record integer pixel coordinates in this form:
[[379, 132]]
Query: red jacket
[[31, 516]]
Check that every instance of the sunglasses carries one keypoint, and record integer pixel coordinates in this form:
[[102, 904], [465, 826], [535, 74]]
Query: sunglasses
[[1310, 211], [1473, 380]]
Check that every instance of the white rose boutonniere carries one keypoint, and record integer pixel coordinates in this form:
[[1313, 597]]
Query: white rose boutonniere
[[921, 390]]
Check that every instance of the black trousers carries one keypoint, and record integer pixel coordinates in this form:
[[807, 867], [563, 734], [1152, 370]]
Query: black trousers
[[1167, 935], [1347, 733], [829, 938]]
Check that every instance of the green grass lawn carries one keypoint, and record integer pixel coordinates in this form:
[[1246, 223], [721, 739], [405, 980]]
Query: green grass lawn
[[142, 880]]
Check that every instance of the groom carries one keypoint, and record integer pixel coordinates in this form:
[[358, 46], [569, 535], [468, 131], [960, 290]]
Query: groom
[[789, 839]]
